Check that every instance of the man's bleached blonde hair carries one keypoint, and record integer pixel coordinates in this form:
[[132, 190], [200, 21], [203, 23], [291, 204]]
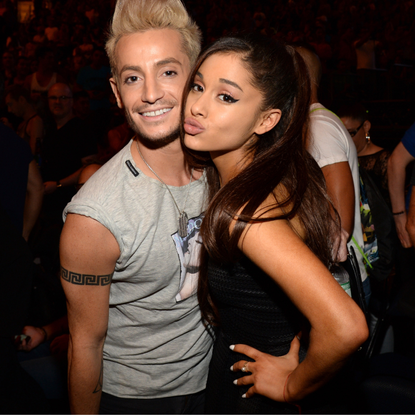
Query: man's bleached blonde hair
[[132, 16]]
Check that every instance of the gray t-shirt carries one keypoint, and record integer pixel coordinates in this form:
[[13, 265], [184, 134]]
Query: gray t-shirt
[[156, 344]]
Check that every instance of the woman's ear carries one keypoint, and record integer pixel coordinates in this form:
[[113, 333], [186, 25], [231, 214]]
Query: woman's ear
[[268, 120], [366, 126]]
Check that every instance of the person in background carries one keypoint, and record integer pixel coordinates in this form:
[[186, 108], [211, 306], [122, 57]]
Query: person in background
[[31, 129], [332, 147], [402, 155], [372, 158]]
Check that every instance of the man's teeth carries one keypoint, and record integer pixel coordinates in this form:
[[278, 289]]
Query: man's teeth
[[155, 113]]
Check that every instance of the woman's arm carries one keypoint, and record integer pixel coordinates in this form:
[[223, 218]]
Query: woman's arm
[[338, 326]]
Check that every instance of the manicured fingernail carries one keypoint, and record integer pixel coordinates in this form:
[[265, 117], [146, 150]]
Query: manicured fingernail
[[232, 346], [298, 337], [232, 368], [244, 395], [235, 382]]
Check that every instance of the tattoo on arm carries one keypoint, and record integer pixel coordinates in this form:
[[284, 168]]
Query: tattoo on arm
[[98, 388], [85, 279]]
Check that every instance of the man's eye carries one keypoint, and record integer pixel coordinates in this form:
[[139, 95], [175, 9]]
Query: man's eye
[[131, 79], [227, 98], [170, 73]]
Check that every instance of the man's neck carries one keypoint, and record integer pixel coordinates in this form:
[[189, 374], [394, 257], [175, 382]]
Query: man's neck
[[60, 122], [167, 162], [28, 113]]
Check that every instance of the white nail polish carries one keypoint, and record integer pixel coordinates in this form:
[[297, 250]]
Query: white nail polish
[[235, 382], [232, 346], [232, 368], [244, 395]]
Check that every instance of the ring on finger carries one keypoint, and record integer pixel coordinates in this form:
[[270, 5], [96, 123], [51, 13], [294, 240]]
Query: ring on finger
[[245, 367]]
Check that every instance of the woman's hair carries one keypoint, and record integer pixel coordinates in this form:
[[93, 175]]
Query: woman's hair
[[354, 111], [133, 16], [279, 159]]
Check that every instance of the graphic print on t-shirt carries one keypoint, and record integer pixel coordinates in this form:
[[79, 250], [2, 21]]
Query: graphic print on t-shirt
[[188, 249]]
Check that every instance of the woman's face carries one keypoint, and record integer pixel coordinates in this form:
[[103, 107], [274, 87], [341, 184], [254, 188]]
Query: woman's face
[[222, 112], [357, 130]]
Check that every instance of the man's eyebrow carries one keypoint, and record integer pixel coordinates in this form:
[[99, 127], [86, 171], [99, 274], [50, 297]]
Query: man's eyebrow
[[158, 64], [167, 61], [227, 81], [130, 68]]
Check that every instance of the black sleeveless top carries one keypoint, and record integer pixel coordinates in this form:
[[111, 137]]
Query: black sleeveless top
[[253, 310]]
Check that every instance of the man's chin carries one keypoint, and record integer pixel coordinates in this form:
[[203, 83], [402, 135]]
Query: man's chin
[[156, 141]]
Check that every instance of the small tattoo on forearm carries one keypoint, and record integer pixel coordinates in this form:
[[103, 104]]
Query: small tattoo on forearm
[[98, 388], [85, 279]]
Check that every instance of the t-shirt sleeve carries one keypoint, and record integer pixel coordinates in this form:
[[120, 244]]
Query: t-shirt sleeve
[[326, 143], [90, 208], [408, 140]]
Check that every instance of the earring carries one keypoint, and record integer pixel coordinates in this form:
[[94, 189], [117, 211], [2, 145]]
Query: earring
[[367, 138]]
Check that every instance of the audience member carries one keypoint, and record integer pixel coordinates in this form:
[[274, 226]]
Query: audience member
[[372, 158], [410, 223], [31, 129], [39, 82], [22, 71], [403, 154], [65, 146], [333, 149]]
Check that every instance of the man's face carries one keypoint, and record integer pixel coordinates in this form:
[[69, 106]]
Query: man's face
[[60, 100], [152, 70], [13, 106]]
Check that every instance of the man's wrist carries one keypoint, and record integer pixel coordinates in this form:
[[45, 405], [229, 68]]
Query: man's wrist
[[58, 183]]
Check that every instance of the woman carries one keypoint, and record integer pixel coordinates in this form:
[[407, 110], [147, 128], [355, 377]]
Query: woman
[[246, 106], [372, 158]]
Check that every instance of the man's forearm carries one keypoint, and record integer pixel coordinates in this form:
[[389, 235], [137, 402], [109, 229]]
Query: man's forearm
[[85, 376]]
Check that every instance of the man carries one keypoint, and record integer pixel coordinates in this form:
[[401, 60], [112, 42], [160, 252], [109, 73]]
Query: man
[[334, 150], [31, 129], [403, 154], [66, 144], [136, 345], [21, 192], [410, 223]]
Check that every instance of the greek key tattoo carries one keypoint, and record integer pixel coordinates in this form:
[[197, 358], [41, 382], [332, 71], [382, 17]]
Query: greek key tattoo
[[85, 279]]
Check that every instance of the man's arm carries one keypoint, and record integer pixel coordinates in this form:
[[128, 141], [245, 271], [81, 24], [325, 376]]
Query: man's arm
[[340, 188], [88, 253], [34, 197], [410, 223], [397, 163]]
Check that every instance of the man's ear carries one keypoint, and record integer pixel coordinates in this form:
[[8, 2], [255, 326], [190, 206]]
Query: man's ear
[[114, 87], [268, 120]]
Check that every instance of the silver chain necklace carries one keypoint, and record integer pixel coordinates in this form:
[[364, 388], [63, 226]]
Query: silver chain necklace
[[183, 218]]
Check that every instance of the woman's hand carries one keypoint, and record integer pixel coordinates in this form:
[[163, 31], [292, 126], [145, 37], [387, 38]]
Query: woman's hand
[[268, 373]]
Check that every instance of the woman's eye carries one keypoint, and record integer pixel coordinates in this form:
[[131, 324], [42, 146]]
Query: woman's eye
[[227, 98], [196, 87]]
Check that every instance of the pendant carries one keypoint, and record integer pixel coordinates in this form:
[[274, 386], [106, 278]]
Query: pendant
[[183, 222]]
